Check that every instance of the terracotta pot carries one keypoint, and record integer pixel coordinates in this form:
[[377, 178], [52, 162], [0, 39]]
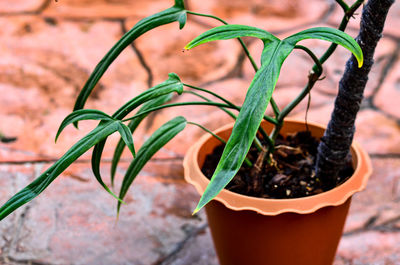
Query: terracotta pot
[[255, 231]]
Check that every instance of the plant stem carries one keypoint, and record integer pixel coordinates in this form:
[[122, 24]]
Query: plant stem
[[246, 51], [176, 105], [298, 99], [267, 118], [343, 24], [246, 160], [317, 68], [212, 93], [208, 100], [344, 6], [208, 131], [257, 141], [312, 79], [318, 64]]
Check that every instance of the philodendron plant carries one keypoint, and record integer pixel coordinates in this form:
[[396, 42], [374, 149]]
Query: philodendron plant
[[246, 131]]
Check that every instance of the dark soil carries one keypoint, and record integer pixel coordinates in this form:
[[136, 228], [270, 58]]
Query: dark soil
[[290, 174]]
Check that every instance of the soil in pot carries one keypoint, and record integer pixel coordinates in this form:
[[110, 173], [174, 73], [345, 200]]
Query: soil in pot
[[289, 175]]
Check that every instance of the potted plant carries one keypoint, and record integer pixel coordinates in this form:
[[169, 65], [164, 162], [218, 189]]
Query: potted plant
[[247, 146]]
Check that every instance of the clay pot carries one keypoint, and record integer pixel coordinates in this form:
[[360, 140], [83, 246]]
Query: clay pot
[[256, 231]]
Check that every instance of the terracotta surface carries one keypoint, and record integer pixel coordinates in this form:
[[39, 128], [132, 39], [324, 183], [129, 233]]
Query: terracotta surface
[[285, 239], [47, 51], [302, 231]]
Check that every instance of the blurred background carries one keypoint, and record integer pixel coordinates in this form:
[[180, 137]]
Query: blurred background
[[47, 51]]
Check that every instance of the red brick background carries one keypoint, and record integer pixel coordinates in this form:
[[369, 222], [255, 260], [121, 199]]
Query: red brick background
[[47, 51]]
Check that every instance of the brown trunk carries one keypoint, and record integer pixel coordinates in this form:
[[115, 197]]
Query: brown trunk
[[334, 147]]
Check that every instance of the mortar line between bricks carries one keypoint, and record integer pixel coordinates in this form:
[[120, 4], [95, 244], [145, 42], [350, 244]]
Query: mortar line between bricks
[[15, 235], [385, 156], [83, 161], [139, 54], [180, 245], [387, 68], [70, 19], [43, 6], [236, 71], [170, 159], [27, 262], [38, 11], [369, 225]]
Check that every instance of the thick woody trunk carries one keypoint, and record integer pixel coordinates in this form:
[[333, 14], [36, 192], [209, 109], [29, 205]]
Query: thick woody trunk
[[335, 144]]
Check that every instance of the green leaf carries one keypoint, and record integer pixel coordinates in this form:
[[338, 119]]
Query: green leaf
[[126, 136], [156, 141], [332, 35], [226, 32], [249, 119], [44, 180], [95, 161], [86, 114], [172, 84], [175, 13], [133, 124]]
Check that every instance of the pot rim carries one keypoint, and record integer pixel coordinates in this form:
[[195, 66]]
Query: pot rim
[[303, 205]]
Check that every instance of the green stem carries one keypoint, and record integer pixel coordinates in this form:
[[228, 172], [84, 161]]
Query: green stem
[[247, 161], [296, 101], [344, 6], [312, 79], [317, 68], [343, 24], [212, 93], [208, 100], [207, 130], [267, 118], [275, 108], [176, 105], [206, 15], [274, 134], [261, 130], [246, 51], [318, 64]]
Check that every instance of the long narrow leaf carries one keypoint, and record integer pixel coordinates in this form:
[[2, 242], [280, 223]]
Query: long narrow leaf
[[44, 180], [226, 32], [249, 119], [175, 13], [156, 141], [126, 136], [172, 84], [96, 158], [133, 124], [332, 35], [85, 114]]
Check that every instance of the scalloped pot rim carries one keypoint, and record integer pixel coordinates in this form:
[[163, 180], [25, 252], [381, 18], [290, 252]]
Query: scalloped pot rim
[[304, 205]]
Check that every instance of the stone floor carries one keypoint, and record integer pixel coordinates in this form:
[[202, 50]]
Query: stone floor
[[47, 50]]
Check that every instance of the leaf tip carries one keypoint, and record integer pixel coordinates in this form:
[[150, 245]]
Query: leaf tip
[[76, 125], [360, 62], [199, 206], [196, 211], [117, 217], [58, 134]]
